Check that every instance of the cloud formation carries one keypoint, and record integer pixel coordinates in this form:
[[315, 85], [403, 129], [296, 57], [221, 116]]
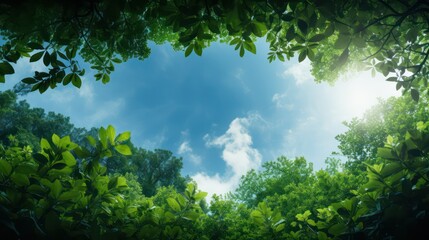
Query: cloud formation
[[186, 150], [238, 154], [281, 101], [301, 72]]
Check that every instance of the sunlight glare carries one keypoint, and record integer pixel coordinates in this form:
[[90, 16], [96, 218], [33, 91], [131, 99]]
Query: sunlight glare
[[360, 91]]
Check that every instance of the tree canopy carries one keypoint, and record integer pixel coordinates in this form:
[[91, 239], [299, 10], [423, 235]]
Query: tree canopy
[[390, 37], [59, 182]]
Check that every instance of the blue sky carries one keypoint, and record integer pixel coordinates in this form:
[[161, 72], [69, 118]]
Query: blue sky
[[223, 114]]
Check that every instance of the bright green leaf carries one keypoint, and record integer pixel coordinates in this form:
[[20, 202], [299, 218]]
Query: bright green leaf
[[173, 204], [123, 149]]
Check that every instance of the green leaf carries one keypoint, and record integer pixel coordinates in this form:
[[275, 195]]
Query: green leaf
[[213, 26], [47, 59], [191, 216], [5, 167], [36, 57], [173, 204], [25, 169], [258, 29], [310, 54], [68, 158], [70, 195], [256, 214], [250, 46], [34, 45], [303, 26], [343, 58], [302, 55], [189, 49], [20, 179], [415, 94], [122, 182], [6, 68], [198, 49], [67, 79], [123, 137], [55, 139], [280, 227], [76, 81], [290, 34], [317, 38], [241, 51], [102, 134], [199, 196], [2, 78], [111, 133], [385, 153], [44, 144], [311, 222], [56, 189], [29, 80], [337, 229], [329, 30], [342, 41], [105, 79], [123, 149], [91, 141]]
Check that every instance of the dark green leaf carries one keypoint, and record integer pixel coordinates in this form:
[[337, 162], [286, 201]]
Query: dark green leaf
[[20, 179], [59, 165], [35, 57], [13, 57], [189, 49], [6, 68], [76, 81], [241, 50], [67, 79], [317, 38], [343, 57], [5, 167], [302, 55], [47, 59], [303, 26], [290, 34], [415, 94], [213, 26], [34, 45], [310, 54], [2, 79], [29, 80], [198, 49], [342, 41]]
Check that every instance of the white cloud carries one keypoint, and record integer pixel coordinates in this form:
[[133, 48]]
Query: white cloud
[[301, 72], [281, 101], [186, 150], [238, 154]]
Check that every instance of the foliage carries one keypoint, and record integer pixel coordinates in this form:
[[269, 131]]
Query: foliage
[[381, 36], [64, 192], [392, 204], [26, 124], [153, 169], [364, 136]]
